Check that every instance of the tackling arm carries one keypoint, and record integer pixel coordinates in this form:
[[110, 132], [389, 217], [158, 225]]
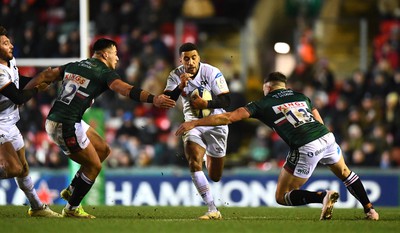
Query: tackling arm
[[221, 101], [45, 77], [214, 120], [137, 94]]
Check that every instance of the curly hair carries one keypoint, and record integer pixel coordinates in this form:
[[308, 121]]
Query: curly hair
[[3, 31]]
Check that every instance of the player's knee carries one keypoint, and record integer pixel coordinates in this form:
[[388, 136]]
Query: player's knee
[[97, 168], [3, 171], [195, 165], [24, 170], [280, 199], [103, 151], [8, 170], [107, 151]]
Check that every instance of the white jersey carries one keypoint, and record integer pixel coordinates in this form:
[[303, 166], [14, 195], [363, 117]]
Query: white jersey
[[209, 77], [9, 113]]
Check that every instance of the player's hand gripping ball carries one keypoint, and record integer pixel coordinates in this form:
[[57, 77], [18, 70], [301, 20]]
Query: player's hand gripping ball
[[206, 95]]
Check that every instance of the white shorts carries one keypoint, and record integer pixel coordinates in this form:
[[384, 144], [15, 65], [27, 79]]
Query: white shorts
[[303, 161], [70, 138], [212, 138], [11, 133]]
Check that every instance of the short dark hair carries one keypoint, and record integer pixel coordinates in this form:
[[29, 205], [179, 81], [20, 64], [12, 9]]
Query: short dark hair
[[276, 77], [187, 47], [3, 31], [103, 43]]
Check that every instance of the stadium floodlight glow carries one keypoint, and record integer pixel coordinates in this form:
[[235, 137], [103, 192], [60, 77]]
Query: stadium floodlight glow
[[282, 47]]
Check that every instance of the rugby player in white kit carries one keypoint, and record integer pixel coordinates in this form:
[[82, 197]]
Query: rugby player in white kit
[[205, 141], [13, 163]]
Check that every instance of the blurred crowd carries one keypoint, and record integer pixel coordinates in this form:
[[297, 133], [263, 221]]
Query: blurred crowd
[[362, 110]]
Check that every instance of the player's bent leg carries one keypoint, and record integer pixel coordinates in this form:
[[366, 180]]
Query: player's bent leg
[[215, 168], [102, 148], [43, 211], [89, 161], [355, 186], [90, 168], [194, 154], [340, 169], [287, 182], [10, 165]]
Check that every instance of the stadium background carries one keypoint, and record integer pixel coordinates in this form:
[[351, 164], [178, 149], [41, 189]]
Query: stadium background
[[344, 56]]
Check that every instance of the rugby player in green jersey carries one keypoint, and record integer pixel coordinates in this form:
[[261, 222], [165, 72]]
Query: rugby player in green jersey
[[293, 117], [82, 82]]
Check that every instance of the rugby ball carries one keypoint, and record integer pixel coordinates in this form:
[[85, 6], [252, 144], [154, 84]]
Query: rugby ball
[[204, 94]]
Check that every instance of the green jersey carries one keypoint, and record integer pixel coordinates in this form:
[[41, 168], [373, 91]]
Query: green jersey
[[83, 81], [289, 114]]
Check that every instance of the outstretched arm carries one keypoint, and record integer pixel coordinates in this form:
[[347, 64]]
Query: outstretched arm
[[29, 89], [214, 120], [44, 78], [137, 94]]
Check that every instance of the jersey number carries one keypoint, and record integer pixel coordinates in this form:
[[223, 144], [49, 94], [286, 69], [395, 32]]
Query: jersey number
[[298, 116], [68, 92]]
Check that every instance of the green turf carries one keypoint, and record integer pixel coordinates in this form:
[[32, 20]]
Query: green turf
[[148, 219]]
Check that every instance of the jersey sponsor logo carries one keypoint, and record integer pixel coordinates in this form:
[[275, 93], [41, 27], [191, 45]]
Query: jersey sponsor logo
[[283, 94], [219, 150], [284, 107], [77, 79], [87, 64], [218, 75], [203, 83], [296, 113], [303, 171]]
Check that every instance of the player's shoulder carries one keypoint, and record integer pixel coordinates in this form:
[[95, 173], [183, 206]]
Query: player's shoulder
[[210, 71], [208, 67]]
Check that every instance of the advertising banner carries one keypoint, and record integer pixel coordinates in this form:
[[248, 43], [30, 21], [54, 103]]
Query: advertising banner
[[178, 190]]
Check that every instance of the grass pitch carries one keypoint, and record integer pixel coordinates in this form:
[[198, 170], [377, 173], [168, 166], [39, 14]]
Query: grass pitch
[[149, 219]]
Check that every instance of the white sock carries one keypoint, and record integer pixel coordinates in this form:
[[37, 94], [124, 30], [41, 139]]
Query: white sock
[[201, 183], [26, 185]]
